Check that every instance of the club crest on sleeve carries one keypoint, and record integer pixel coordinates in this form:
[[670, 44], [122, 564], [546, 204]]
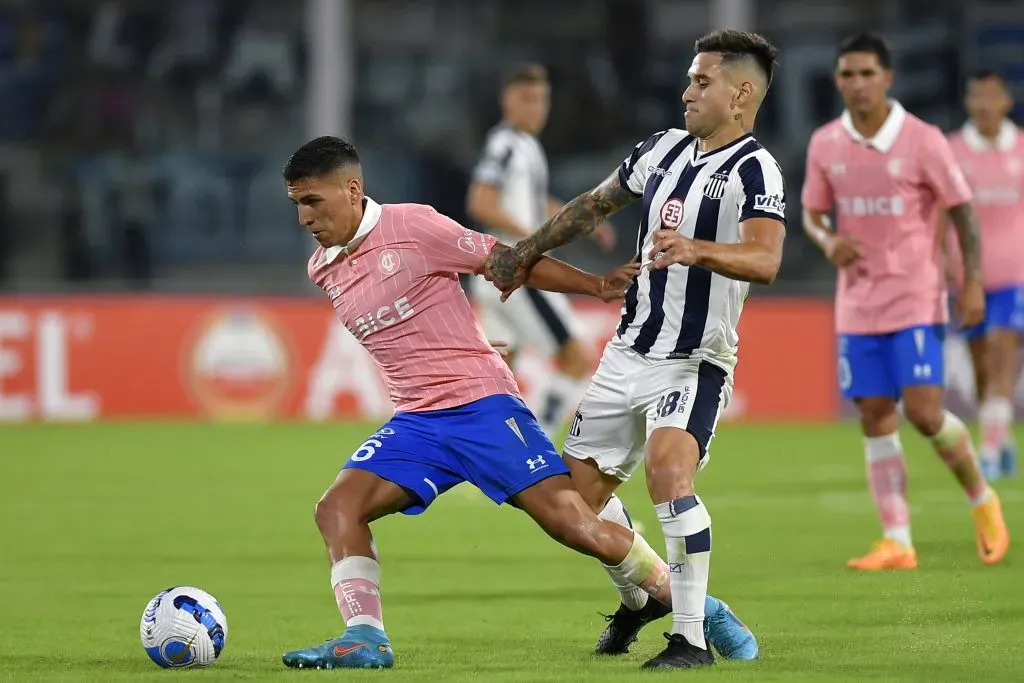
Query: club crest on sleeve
[[714, 188], [672, 213]]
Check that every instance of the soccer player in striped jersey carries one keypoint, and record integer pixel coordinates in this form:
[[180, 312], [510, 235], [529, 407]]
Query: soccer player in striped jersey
[[713, 222], [510, 196]]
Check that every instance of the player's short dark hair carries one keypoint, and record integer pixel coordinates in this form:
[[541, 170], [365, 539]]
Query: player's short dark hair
[[866, 42], [526, 73], [735, 45], [985, 75], [319, 157]]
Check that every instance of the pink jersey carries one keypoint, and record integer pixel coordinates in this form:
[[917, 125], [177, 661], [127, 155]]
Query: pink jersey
[[886, 192], [399, 294], [996, 174]]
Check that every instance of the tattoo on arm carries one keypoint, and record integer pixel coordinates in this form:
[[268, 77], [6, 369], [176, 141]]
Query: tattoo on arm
[[579, 217], [969, 235]]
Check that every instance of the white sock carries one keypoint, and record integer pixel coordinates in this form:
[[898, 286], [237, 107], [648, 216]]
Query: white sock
[[562, 394], [356, 583], [632, 596], [687, 527]]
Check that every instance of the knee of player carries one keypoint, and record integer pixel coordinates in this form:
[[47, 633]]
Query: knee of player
[[927, 419], [671, 471], [333, 506]]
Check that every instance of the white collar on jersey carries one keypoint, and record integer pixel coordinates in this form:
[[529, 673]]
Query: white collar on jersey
[[886, 136], [371, 216], [979, 143]]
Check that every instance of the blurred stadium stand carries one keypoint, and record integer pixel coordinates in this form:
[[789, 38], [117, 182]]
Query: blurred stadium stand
[[140, 142]]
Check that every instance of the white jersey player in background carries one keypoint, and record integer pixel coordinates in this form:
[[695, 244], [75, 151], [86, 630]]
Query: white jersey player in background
[[509, 196], [713, 221]]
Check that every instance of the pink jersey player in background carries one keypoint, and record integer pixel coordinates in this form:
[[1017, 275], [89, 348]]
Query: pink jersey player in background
[[990, 151], [885, 173], [391, 274]]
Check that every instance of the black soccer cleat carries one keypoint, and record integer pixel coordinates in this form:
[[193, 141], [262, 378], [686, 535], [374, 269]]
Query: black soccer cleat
[[679, 654], [625, 625]]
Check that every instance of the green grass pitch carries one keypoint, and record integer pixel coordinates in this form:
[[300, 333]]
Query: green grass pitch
[[94, 520]]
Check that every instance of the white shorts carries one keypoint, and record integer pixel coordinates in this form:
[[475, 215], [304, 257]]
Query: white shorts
[[530, 317], [630, 396]]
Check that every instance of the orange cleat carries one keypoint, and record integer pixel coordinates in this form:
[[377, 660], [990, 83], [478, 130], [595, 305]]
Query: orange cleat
[[990, 530], [885, 554]]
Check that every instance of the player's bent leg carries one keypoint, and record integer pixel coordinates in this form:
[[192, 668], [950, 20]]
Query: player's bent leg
[[560, 511], [887, 481], [951, 440], [672, 458], [343, 516], [636, 609]]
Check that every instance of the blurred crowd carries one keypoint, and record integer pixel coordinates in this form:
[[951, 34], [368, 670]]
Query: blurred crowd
[[141, 143]]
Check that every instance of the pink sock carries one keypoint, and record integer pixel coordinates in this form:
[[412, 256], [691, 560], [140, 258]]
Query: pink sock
[[995, 417], [887, 479], [356, 582]]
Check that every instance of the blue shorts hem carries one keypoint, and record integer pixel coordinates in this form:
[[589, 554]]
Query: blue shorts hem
[[522, 485]]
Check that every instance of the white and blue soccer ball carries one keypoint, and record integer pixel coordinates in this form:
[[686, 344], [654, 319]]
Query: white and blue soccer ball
[[184, 627]]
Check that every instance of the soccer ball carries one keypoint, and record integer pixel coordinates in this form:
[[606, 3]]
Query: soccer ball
[[183, 626]]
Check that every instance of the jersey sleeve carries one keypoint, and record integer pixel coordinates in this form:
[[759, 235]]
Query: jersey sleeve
[[447, 246], [633, 171], [496, 161], [817, 191], [762, 190], [942, 172]]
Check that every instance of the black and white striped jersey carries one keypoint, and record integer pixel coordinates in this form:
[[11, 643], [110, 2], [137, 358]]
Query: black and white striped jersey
[[682, 312], [514, 162]]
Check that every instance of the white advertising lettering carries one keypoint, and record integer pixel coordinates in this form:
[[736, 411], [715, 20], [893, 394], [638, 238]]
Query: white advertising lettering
[[43, 341]]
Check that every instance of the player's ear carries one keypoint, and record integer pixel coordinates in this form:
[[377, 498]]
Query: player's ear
[[744, 94], [355, 190]]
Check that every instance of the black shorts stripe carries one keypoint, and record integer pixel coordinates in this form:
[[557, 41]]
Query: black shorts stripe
[[710, 382], [554, 324]]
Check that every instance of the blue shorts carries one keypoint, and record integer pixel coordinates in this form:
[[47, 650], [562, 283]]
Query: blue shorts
[[494, 443], [1004, 310], [883, 365]]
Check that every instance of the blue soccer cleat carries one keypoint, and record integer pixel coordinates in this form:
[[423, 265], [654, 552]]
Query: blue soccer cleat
[[1008, 459], [726, 633], [991, 469], [359, 647]]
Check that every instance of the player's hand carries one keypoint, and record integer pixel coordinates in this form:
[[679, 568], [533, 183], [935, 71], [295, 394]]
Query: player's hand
[[971, 304], [503, 269], [842, 251], [604, 236], [615, 283], [500, 346], [671, 247]]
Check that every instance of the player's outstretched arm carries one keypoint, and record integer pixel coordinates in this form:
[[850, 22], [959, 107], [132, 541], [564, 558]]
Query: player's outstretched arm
[[755, 258], [580, 216], [552, 275]]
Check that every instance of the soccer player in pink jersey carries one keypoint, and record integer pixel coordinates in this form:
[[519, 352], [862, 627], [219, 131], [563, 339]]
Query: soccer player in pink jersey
[[991, 155], [391, 273], [885, 172]]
